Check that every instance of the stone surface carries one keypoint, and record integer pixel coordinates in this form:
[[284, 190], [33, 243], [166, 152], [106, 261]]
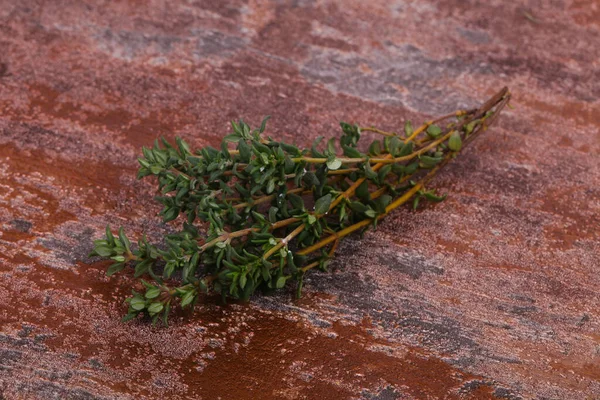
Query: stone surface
[[490, 294]]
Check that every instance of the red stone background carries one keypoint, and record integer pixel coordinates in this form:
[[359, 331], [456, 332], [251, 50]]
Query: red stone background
[[490, 294]]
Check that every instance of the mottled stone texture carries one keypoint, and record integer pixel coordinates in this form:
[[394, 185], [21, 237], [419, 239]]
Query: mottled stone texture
[[490, 294]]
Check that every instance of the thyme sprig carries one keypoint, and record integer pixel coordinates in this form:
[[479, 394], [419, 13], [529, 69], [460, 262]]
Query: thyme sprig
[[257, 213]]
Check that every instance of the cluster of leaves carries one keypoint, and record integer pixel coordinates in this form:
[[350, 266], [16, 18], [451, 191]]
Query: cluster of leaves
[[256, 213]]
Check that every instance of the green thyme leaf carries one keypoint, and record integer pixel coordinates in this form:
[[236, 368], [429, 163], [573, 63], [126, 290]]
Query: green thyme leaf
[[434, 131], [407, 148], [263, 124], [124, 240], [137, 303], [110, 239], [322, 205], [188, 298], [280, 282], [394, 146], [408, 129], [375, 148], [114, 268], [152, 293], [334, 164], [155, 308], [455, 142]]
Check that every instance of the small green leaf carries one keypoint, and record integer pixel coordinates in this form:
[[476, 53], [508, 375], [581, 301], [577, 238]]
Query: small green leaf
[[169, 269], [382, 202], [147, 285], [258, 217], [411, 168], [369, 173], [314, 151], [236, 128], [331, 147], [322, 204], [383, 172], [280, 282], [170, 214], [430, 162], [113, 269], [234, 137], [263, 125], [362, 191], [299, 287], [137, 303], [342, 212], [245, 151], [143, 162], [334, 164], [471, 126], [394, 146], [243, 280], [187, 298], [271, 186], [351, 152], [152, 293], [358, 207], [432, 197], [370, 213], [406, 149], [296, 201], [141, 268], [184, 148], [375, 148], [166, 314], [155, 308], [103, 251], [416, 202], [290, 149], [124, 239], [110, 239], [434, 131], [455, 142], [290, 261], [128, 317], [348, 129], [408, 128], [310, 180]]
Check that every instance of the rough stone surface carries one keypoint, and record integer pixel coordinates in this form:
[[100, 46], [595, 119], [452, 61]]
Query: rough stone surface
[[490, 294]]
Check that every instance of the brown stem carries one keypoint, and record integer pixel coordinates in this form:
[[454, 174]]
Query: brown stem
[[352, 228], [283, 242], [373, 129], [247, 231]]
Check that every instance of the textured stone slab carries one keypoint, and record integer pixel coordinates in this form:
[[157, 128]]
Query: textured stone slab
[[490, 294]]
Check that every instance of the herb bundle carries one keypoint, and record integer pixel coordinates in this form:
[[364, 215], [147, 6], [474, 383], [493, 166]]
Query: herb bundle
[[272, 211]]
